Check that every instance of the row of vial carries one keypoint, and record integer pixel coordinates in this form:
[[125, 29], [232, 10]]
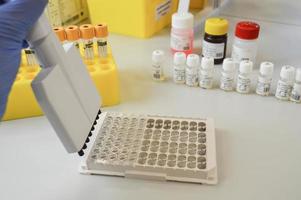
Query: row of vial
[[80, 36], [193, 72]]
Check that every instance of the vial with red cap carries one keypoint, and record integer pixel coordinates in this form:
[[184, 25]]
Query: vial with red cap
[[246, 41]]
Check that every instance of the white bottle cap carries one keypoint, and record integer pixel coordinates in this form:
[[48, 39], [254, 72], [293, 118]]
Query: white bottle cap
[[193, 60], [158, 56], [179, 58], [182, 20], [267, 68], [228, 65], [207, 63], [287, 72], [246, 66], [298, 75]]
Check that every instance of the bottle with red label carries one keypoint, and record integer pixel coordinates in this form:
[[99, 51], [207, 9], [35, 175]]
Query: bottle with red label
[[246, 41]]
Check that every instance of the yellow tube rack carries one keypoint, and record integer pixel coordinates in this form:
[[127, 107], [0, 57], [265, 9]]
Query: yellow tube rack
[[22, 102]]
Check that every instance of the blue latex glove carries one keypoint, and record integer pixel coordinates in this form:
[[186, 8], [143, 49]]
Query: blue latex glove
[[16, 19]]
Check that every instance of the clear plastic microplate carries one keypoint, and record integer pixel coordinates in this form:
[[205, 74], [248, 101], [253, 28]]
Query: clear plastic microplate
[[153, 147]]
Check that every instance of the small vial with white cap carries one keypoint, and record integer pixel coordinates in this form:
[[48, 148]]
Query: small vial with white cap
[[179, 62], [157, 65], [296, 93], [191, 72], [286, 82], [228, 74], [265, 79], [206, 73], [244, 77]]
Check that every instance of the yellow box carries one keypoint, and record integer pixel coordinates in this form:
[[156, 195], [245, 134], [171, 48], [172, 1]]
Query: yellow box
[[197, 4], [22, 102], [140, 18]]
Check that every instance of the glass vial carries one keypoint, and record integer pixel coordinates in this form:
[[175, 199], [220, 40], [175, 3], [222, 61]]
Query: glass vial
[[73, 35], [101, 34], [296, 93], [87, 33], [181, 39], [265, 79], [285, 84], [215, 39], [228, 75], [179, 65], [244, 77], [245, 41], [30, 57], [191, 72], [157, 65], [206, 73]]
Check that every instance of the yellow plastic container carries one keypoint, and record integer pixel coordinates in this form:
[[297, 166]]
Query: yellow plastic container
[[197, 4], [22, 102], [140, 18]]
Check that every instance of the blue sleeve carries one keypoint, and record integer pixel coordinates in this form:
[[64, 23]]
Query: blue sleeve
[[16, 19]]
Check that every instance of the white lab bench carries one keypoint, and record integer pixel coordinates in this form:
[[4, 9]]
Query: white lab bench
[[258, 139]]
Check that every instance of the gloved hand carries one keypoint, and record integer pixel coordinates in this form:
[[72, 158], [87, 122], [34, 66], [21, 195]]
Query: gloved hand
[[16, 19]]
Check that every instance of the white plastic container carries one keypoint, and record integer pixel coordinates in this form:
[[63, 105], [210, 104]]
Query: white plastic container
[[296, 93], [182, 33], [245, 41], [191, 72], [206, 73], [244, 77], [285, 84], [157, 65], [265, 79], [228, 75], [179, 65]]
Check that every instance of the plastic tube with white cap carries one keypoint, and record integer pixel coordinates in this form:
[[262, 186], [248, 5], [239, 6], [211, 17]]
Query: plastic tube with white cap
[[206, 73], [191, 72], [244, 77], [296, 93], [286, 82], [228, 74], [265, 79]]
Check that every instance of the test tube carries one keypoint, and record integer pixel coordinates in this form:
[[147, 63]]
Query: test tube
[[101, 34], [30, 57], [73, 35], [60, 33], [87, 33]]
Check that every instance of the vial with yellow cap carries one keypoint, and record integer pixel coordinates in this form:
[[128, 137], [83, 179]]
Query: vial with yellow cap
[[215, 39], [73, 35], [88, 34], [101, 34]]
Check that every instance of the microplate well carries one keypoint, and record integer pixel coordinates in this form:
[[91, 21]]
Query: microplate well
[[153, 147]]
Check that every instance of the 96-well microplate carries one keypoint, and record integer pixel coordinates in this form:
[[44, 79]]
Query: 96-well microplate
[[153, 147]]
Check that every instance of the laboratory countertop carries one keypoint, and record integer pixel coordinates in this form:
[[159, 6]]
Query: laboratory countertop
[[258, 139]]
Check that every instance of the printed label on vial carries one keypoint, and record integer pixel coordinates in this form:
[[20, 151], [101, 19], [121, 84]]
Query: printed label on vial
[[206, 81], [163, 9], [226, 83], [214, 50], [179, 75], [243, 84], [191, 78], [263, 88], [283, 90], [180, 43], [296, 96], [157, 72], [239, 54]]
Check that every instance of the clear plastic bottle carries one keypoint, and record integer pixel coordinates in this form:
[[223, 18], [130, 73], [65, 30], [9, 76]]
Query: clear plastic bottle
[[179, 63], [206, 73], [296, 93], [182, 33], [157, 65], [265, 79], [191, 72], [245, 41], [88, 34], [228, 75], [101, 34], [285, 84], [244, 77]]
